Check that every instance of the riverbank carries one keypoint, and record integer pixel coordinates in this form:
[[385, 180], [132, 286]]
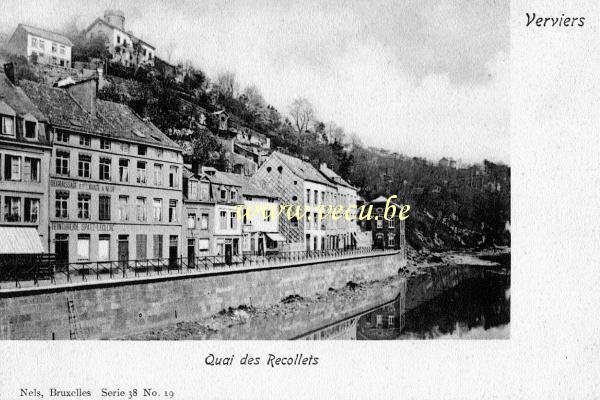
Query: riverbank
[[295, 315]]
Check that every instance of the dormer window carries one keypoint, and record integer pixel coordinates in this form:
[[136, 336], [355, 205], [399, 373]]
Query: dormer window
[[30, 129], [8, 125]]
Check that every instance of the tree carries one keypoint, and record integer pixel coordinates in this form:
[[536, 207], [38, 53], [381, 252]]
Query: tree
[[302, 114], [207, 151]]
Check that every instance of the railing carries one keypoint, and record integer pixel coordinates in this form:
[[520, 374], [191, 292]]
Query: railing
[[47, 271]]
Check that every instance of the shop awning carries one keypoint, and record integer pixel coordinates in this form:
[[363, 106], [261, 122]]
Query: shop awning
[[276, 237], [15, 240]]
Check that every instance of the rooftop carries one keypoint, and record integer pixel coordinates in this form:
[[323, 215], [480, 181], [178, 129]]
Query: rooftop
[[56, 37], [303, 169], [111, 119], [329, 173]]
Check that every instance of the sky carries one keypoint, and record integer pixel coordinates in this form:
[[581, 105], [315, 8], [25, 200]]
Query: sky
[[424, 78]]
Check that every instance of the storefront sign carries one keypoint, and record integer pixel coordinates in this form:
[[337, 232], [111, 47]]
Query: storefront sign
[[82, 185]]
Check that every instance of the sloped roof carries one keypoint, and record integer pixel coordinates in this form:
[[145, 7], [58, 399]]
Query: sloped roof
[[17, 99], [249, 185], [103, 21], [380, 199], [56, 37], [302, 168], [61, 109], [111, 119], [131, 126], [331, 175]]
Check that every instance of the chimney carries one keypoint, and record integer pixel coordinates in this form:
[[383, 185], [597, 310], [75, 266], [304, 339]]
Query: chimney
[[323, 166], [84, 93], [9, 70]]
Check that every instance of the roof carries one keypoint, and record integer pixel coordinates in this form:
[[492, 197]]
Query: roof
[[56, 37], [18, 240], [103, 21], [111, 119], [331, 175], [302, 169], [17, 99], [61, 109], [131, 126], [383, 199], [249, 185]]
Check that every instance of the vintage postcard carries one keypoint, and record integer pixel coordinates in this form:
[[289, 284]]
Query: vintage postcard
[[190, 171]]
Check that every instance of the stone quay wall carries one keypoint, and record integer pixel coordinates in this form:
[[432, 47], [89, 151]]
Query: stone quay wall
[[106, 309]]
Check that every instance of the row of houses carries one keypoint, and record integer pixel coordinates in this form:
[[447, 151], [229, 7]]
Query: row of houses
[[90, 180]]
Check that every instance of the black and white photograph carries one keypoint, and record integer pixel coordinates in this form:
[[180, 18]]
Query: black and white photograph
[[284, 199], [270, 170]]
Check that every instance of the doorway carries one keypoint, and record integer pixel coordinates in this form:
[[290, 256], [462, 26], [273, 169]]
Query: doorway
[[191, 253], [173, 251], [123, 250], [228, 253], [61, 249]]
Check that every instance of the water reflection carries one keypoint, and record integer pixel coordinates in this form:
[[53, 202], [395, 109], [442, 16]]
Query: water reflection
[[476, 308]]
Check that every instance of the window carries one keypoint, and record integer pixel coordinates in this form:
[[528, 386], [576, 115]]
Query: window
[[62, 136], [316, 198], [268, 215], [191, 221], [31, 169], [54, 47], [103, 247], [232, 220], [83, 166], [123, 208], [390, 321], [30, 129], [307, 196], [104, 173], [223, 194], [204, 191], [118, 39], [157, 210], [62, 50], [84, 140], [391, 241], [391, 223], [42, 45], [83, 205], [193, 190], [158, 246], [223, 220], [141, 172], [8, 126], [203, 245], [172, 210], [125, 148], [158, 174], [204, 221], [62, 162], [31, 212], [379, 223], [379, 321], [141, 150], [61, 205], [104, 144], [173, 178], [141, 244], [12, 209], [104, 208], [233, 195], [141, 209], [123, 170], [159, 153], [83, 247], [34, 42], [12, 168]]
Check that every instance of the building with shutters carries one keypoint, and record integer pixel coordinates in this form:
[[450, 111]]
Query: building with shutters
[[41, 45], [25, 150], [114, 180]]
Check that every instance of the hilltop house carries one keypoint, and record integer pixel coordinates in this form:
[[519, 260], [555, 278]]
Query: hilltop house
[[40, 45], [126, 48], [386, 234]]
